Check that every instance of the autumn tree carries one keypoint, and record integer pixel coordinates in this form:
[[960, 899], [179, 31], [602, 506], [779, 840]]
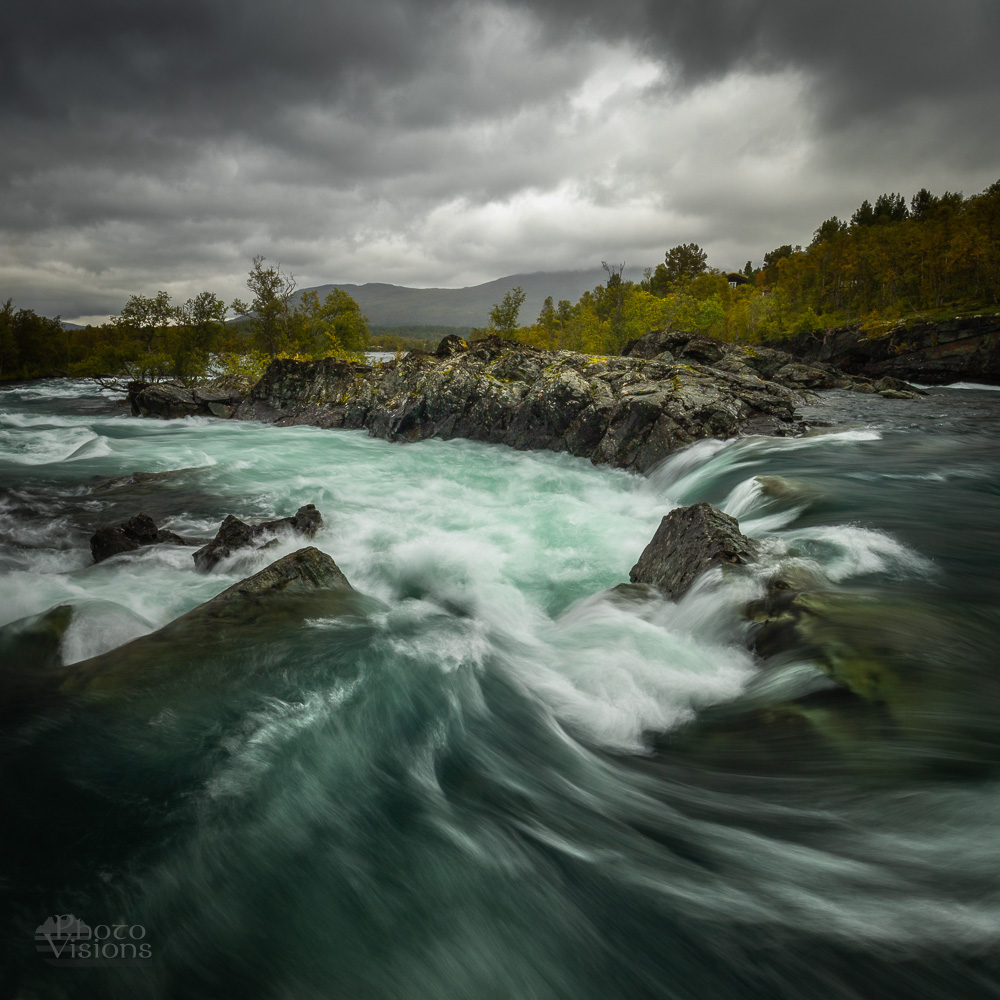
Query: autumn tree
[[686, 260], [269, 313], [503, 315], [332, 325]]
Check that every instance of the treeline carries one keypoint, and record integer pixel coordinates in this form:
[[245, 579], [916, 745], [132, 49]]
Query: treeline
[[152, 339], [932, 257]]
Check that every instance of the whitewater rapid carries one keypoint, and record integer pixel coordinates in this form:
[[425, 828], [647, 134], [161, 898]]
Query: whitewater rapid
[[506, 779]]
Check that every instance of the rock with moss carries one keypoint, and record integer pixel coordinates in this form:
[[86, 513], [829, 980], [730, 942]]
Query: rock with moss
[[169, 400], [625, 412]]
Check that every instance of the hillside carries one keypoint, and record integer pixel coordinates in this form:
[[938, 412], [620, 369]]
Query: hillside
[[397, 305]]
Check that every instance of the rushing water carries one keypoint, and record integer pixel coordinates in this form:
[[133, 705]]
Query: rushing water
[[502, 780]]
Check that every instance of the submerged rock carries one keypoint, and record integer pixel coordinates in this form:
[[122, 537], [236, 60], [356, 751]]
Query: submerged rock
[[35, 642], [689, 541], [303, 585], [129, 536], [622, 411], [235, 534]]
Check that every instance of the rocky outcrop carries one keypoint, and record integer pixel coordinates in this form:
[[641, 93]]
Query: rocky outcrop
[[955, 350], [235, 534], [168, 400], [688, 542], [130, 535], [770, 363], [627, 412]]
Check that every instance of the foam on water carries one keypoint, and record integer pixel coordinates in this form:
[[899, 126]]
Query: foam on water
[[474, 790]]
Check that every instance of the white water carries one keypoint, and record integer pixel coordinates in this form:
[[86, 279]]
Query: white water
[[484, 789]]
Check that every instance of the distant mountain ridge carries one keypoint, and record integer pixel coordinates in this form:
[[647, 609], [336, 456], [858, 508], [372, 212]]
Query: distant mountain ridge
[[398, 305]]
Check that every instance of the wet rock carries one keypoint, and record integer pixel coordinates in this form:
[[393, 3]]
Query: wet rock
[[35, 642], [169, 400], [807, 377], [689, 541], [108, 541], [894, 388], [130, 535], [302, 571], [889, 384], [259, 610], [235, 534]]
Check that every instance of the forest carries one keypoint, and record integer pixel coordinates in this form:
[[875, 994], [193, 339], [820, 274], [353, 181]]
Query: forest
[[151, 339], [936, 257], [933, 257]]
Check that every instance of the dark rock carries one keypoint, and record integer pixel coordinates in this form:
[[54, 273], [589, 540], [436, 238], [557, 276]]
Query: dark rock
[[888, 383], [301, 571], [141, 528], [304, 584], [894, 388], [935, 353], [235, 534], [806, 376], [689, 541], [217, 397], [623, 411], [452, 344], [129, 536], [107, 542], [750, 361], [34, 643], [167, 400]]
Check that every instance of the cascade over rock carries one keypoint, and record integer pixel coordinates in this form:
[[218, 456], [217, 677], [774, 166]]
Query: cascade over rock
[[235, 534], [303, 584]]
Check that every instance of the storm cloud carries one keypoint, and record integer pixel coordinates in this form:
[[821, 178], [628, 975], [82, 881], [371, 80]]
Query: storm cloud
[[162, 145]]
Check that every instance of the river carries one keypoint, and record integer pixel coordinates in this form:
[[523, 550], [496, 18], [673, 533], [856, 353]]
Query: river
[[501, 780]]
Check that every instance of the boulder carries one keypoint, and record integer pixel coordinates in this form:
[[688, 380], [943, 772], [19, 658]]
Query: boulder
[[894, 388], [452, 344], [168, 400], [235, 534], [302, 571], [130, 535], [306, 584], [803, 376], [689, 541]]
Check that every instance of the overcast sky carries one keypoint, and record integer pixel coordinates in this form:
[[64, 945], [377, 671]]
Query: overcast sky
[[150, 145]]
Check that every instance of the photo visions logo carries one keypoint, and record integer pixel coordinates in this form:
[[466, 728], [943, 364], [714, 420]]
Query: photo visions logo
[[64, 939]]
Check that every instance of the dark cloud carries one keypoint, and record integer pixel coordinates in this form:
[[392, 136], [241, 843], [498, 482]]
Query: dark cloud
[[152, 145], [866, 55]]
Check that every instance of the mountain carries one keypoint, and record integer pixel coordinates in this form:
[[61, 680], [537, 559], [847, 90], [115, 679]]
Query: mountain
[[397, 305]]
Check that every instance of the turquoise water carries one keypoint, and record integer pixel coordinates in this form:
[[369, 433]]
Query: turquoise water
[[502, 781]]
